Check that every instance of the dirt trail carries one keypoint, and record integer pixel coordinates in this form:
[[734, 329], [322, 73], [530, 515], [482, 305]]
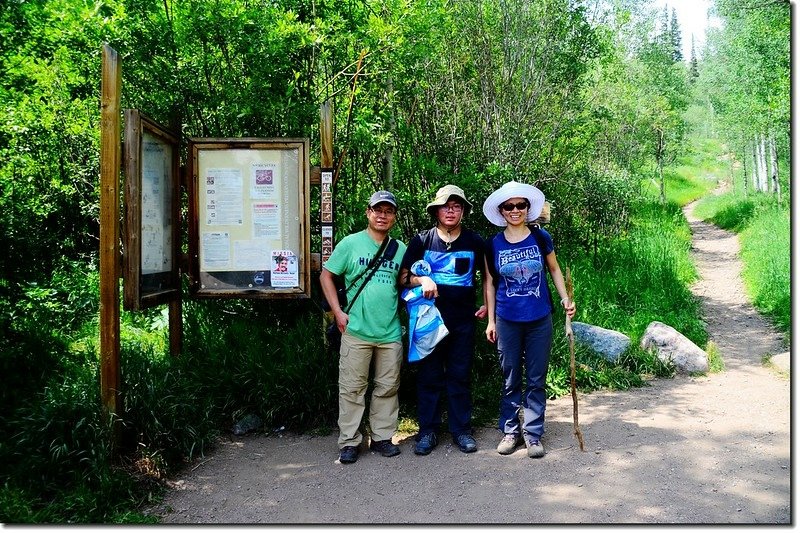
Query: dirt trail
[[689, 450]]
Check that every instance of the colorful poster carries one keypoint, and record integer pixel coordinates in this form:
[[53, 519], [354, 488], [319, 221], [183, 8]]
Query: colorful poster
[[284, 269], [263, 179]]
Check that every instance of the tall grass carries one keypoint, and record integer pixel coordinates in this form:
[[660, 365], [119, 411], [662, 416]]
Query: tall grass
[[764, 232], [642, 276]]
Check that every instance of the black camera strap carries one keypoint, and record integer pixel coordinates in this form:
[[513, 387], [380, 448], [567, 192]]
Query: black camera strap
[[383, 252]]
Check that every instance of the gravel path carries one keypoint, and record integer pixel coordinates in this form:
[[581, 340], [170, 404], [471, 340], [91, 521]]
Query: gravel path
[[688, 450]]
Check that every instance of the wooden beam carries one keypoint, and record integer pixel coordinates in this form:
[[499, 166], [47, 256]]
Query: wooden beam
[[109, 231]]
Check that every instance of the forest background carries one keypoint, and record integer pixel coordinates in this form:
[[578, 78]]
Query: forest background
[[593, 102]]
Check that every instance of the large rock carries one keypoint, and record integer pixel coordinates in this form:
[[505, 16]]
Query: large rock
[[608, 343], [672, 346]]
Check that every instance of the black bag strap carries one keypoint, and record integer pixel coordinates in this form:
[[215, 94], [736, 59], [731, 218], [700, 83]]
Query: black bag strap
[[383, 252]]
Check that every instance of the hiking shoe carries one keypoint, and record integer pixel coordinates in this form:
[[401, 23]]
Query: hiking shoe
[[509, 443], [385, 448], [348, 454], [466, 443], [426, 444], [535, 448]]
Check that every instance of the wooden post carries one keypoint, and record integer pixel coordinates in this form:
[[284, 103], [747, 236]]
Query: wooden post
[[326, 134], [326, 179], [109, 232]]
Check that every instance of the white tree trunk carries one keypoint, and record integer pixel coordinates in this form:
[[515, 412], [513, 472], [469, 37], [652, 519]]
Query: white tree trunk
[[754, 146], [775, 186], [762, 164], [744, 169]]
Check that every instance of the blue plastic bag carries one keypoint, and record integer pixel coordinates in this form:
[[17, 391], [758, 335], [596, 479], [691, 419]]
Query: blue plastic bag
[[425, 325]]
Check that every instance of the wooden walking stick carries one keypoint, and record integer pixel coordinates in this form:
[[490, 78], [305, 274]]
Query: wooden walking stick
[[571, 335]]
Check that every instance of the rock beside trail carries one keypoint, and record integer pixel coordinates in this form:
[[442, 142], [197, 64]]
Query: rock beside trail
[[781, 361], [606, 342], [673, 346], [246, 425]]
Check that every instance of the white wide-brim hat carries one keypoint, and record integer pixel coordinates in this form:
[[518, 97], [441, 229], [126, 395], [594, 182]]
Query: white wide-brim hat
[[512, 189]]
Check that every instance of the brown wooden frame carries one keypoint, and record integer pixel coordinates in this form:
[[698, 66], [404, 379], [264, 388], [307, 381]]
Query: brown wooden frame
[[137, 295], [234, 289]]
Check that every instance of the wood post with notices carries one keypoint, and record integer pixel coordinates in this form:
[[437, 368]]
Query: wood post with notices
[[109, 232], [326, 180]]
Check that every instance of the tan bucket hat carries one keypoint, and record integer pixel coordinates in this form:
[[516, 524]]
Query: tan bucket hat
[[444, 194]]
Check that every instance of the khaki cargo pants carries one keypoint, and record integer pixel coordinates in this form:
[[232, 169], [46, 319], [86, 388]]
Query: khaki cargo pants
[[355, 358]]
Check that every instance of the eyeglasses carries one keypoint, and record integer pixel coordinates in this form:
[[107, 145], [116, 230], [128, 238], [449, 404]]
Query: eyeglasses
[[518, 205], [455, 208], [384, 212]]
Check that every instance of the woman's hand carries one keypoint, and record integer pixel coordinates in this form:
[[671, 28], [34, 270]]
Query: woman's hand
[[481, 312], [491, 332], [569, 307]]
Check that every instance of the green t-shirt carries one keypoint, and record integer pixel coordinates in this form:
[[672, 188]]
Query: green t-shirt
[[373, 316]]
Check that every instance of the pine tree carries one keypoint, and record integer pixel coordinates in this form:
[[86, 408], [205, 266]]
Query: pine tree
[[675, 37], [693, 71]]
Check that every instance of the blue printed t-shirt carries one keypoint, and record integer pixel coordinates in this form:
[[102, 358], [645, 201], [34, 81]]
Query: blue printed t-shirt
[[452, 270], [522, 291], [373, 316]]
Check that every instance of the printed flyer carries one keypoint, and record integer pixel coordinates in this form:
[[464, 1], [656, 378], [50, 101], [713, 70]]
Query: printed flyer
[[284, 269]]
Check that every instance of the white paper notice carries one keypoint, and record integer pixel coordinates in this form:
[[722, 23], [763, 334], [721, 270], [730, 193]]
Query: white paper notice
[[156, 199], [216, 251], [262, 180], [266, 221], [250, 255], [284, 269], [224, 204]]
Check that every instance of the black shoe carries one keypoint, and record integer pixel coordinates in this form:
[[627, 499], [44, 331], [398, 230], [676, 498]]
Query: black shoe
[[426, 444], [348, 454], [466, 443], [385, 448]]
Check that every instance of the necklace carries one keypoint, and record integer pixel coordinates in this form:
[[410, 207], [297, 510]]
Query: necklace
[[449, 242]]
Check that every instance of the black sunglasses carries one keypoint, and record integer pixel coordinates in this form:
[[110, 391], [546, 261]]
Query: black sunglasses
[[518, 205]]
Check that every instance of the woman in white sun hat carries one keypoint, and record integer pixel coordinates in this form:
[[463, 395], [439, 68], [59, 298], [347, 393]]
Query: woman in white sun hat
[[520, 310]]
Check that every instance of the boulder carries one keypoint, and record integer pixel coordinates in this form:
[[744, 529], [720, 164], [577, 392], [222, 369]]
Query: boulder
[[246, 425], [781, 361], [673, 346], [606, 342]]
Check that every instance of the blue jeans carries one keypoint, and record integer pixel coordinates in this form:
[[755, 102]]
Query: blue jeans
[[448, 369], [528, 343]]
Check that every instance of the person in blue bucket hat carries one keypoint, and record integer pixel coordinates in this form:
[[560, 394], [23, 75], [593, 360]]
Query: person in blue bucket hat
[[453, 254]]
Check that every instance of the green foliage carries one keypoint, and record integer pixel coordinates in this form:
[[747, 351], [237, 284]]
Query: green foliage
[[752, 43], [651, 271], [55, 453]]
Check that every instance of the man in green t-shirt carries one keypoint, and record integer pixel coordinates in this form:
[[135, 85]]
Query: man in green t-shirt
[[370, 330]]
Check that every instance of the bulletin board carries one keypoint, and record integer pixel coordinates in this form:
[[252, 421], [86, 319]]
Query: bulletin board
[[152, 213], [249, 234]]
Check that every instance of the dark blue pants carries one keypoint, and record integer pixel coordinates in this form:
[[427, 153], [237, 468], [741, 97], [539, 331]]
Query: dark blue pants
[[525, 343], [447, 369]]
